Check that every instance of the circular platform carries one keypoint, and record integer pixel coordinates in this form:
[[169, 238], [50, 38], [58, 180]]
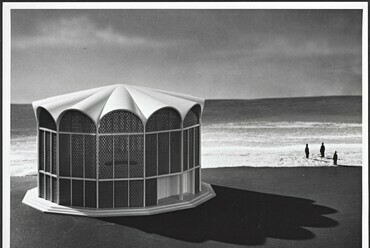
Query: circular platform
[[165, 205]]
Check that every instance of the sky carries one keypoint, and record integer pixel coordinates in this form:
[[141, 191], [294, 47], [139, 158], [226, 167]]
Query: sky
[[213, 54]]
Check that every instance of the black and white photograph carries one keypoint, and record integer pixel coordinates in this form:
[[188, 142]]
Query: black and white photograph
[[185, 125]]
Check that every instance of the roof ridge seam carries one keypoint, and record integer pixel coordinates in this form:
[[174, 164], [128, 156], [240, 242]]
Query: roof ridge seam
[[133, 100]]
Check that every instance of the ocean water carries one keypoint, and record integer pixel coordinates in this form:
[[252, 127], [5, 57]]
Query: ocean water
[[259, 133]]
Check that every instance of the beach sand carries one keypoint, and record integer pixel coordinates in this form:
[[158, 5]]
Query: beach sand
[[264, 207]]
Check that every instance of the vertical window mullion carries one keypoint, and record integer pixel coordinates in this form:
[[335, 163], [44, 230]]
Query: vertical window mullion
[[169, 152], [144, 169], [188, 155], [51, 165], [157, 153], [70, 166], [83, 169], [97, 165], [44, 165], [128, 172], [113, 162]]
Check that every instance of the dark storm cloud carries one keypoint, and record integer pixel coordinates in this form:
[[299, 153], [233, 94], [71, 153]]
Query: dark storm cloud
[[220, 53]]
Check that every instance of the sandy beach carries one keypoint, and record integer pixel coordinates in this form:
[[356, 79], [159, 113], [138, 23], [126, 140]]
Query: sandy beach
[[265, 207]]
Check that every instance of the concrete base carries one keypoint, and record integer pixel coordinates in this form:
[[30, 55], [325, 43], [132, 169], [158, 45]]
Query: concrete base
[[165, 205]]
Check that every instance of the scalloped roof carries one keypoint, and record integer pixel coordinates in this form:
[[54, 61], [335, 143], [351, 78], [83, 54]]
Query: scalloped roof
[[97, 102]]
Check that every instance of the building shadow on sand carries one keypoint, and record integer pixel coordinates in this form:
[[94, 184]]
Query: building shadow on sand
[[237, 217]]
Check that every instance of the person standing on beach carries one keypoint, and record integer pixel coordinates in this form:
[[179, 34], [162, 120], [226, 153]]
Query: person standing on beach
[[335, 158], [322, 150], [307, 151]]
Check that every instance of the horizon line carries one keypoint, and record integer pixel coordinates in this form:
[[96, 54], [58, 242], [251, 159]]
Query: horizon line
[[262, 98]]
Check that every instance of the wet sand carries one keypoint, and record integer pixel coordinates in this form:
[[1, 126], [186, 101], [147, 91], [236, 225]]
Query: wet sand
[[264, 207]]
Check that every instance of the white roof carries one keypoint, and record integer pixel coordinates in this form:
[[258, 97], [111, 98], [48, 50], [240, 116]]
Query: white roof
[[97, 102]]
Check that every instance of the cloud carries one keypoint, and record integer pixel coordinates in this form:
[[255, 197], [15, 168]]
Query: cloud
[[80, 31]]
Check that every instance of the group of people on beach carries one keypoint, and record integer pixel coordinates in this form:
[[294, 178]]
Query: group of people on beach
[[322, 152]]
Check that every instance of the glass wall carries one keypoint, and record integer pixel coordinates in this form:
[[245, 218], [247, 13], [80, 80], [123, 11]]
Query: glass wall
[[121, 160], [77, 160], [116, 164], [47, 182]]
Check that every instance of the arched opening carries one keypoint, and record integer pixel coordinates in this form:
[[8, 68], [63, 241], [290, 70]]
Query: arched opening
[[163, 119], [121, 158], [47, 155], [77, 159], [76, 122], [192, 117], [120, 121], [162, 151], [45, 119], [191, 148]]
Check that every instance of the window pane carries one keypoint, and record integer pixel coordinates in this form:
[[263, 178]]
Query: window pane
[[175, 151], [54, 154], [163, 153], [185, 150], [191, 148], [41, 150], [64, 155], [151, 155], [106, 157], [136, 193], [90, 194], [120, 194], [47, 152], [120, 156], [77, 193], [105, 194], [136, 151], [90, 156], [77, 155], [41, 186], [151, 192], [54, 189], [65, 192]]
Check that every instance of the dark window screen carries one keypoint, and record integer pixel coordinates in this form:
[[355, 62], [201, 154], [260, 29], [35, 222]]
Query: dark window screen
[[54, 187], [164, 119], [64, 155], [120, 121], [65, 192], [41, 150], [106, 157], [90, 156], [197, 144], [47, 152], [151, 155], [54, 154], [136, 193], [105, 194], [197, 180], [136, 148], [175, 151], [120, 194], [185, 150], [41, 186], [191, 148], [151, 192], [77, 193], [77, 155], [75, 121], [46, 120], [192, 117], [120, 156], [90, 194], [163, 153], [47, 188]]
